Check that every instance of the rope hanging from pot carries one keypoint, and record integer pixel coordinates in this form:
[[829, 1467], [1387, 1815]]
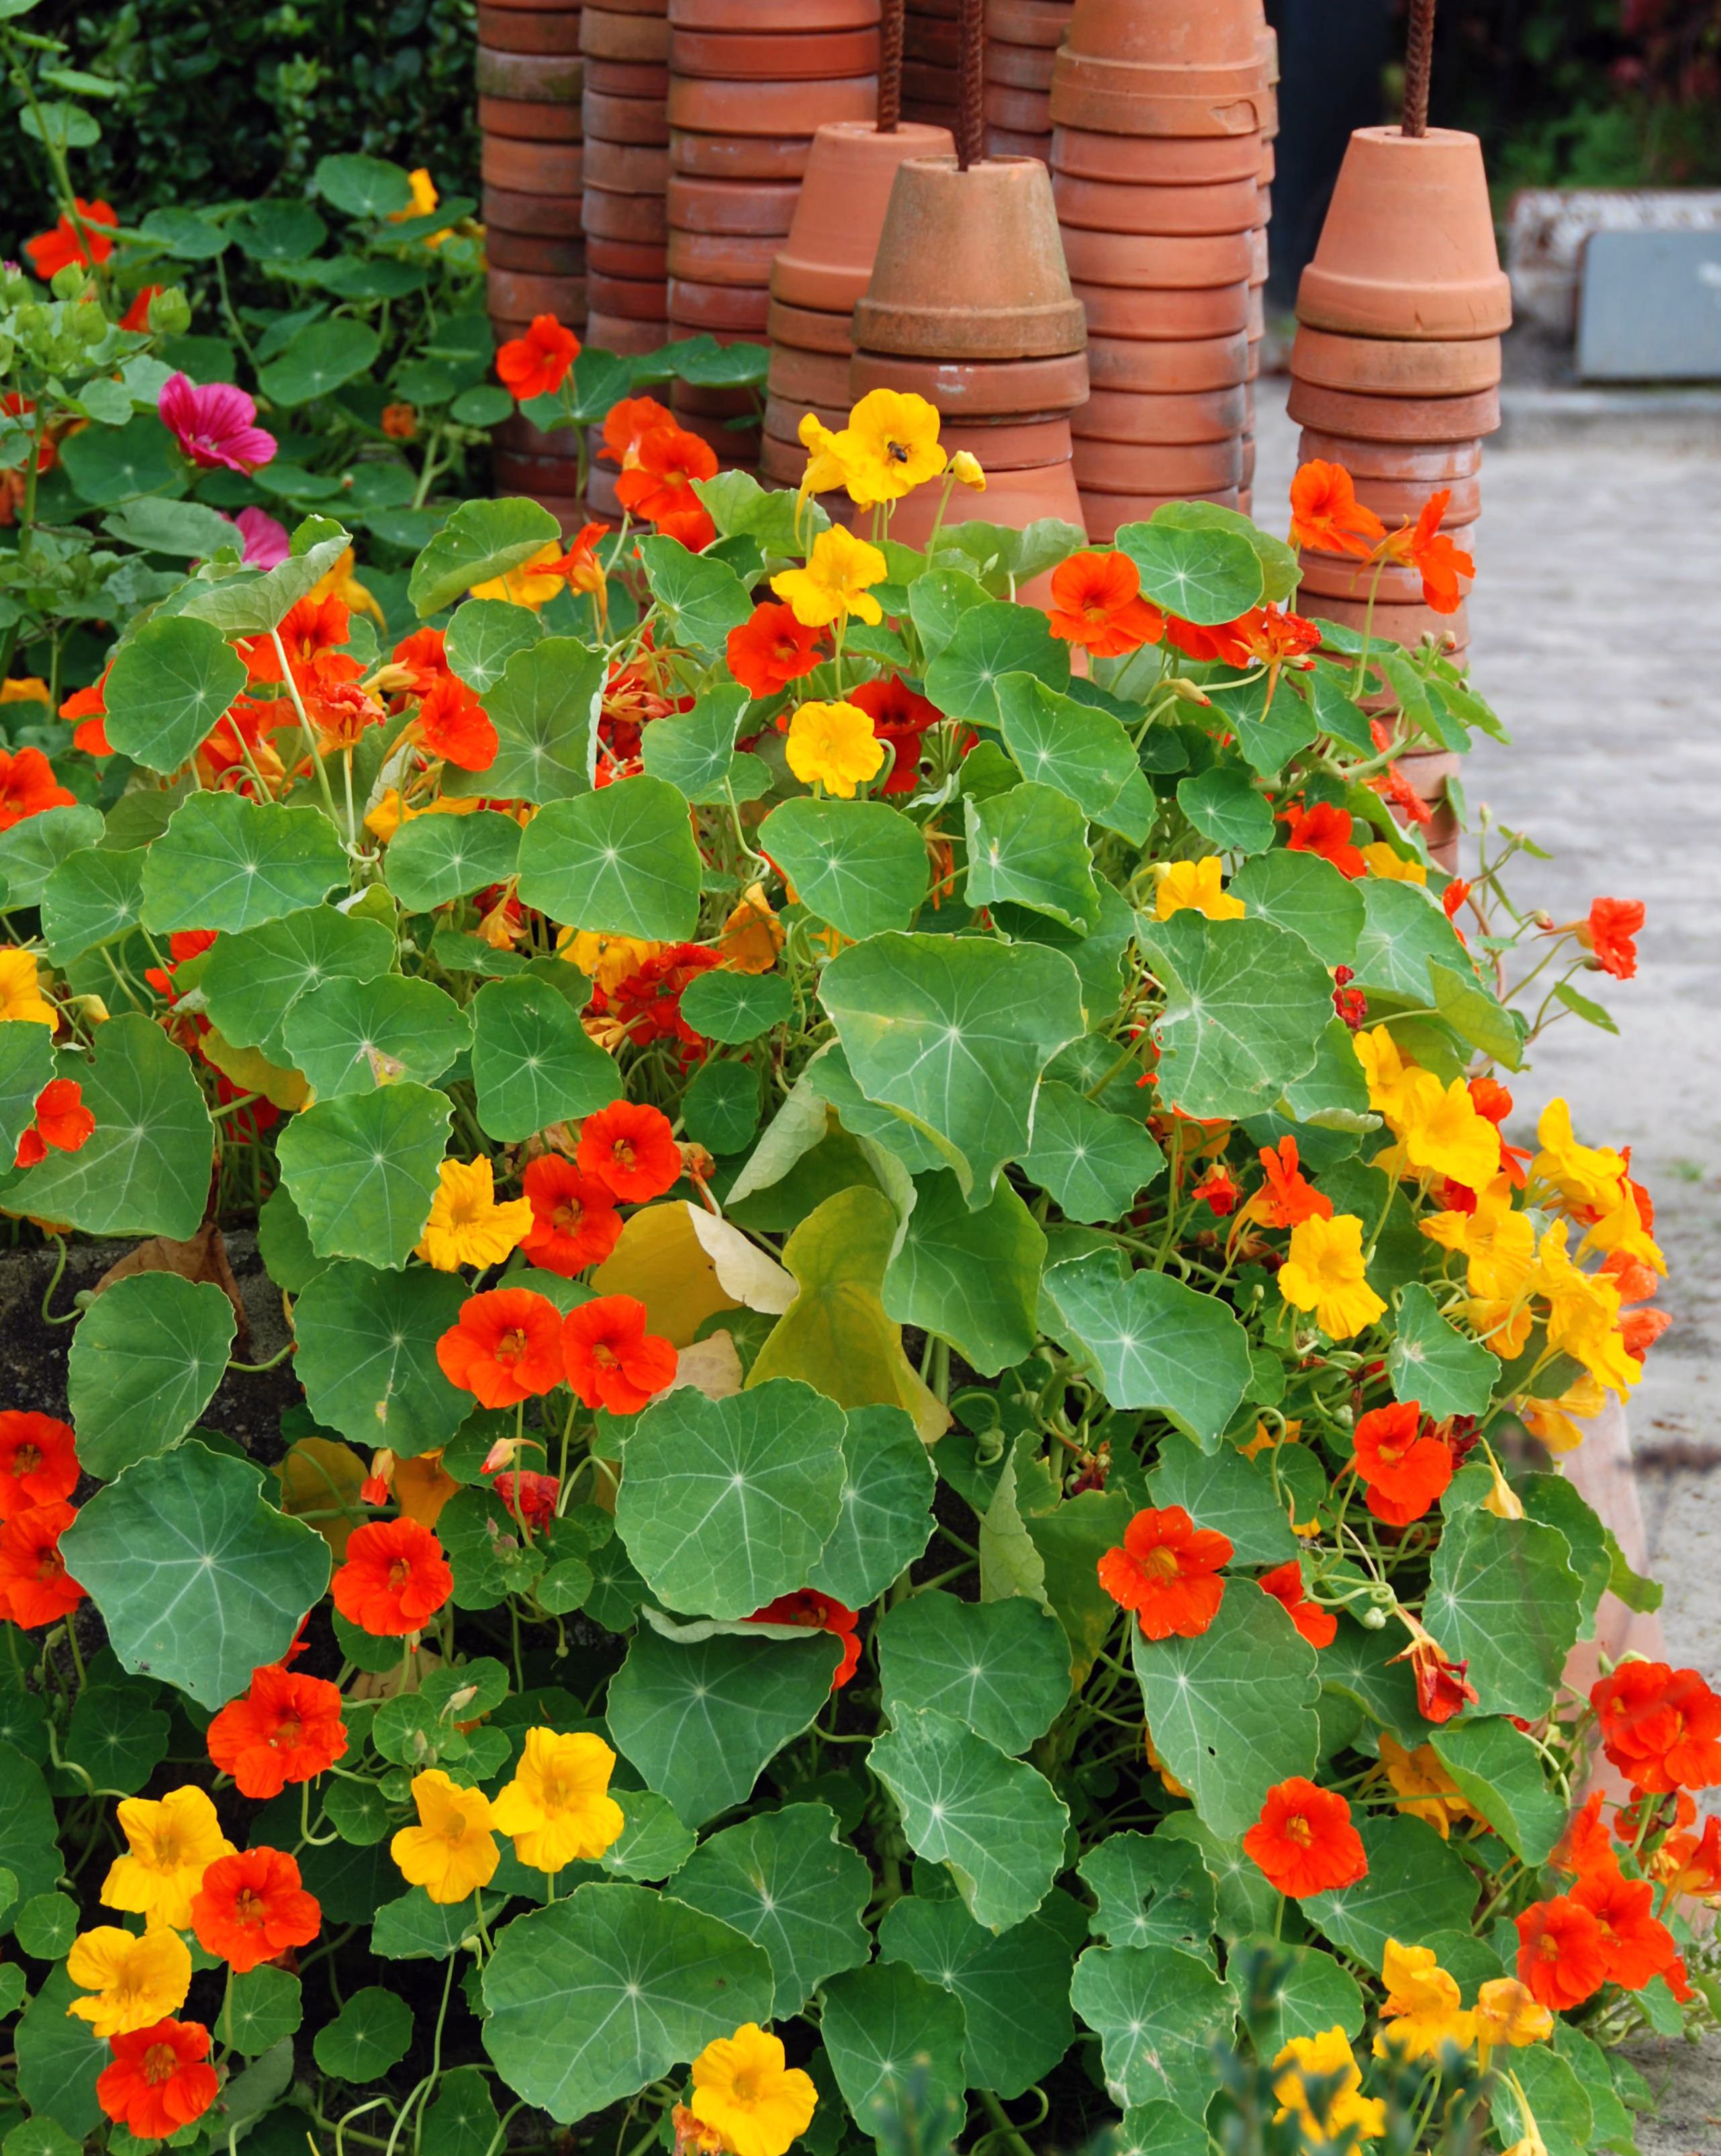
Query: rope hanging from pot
[[970, 83], [1419, 67], [890, 65]]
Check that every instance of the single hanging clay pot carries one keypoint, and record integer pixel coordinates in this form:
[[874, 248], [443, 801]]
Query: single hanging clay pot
[[826, 261], [1407, 249], [1385, 367]]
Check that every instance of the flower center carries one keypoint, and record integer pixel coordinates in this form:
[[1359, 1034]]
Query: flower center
[[48, 1567], [1160, 1564], [26, 1460], [249, 1907], [512, 1346], [454, 1831], [167, 1855], [160, 2062], [400, 1574], [605, 1356], [622, 1153], [1298, 1829], [288, 1733], [568, 1216], [745, 2086]]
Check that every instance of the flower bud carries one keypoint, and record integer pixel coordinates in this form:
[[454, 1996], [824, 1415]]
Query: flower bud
[[170, 313], [88, 324], [69, 283]]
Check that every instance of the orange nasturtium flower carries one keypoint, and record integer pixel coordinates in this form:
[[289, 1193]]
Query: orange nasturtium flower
[[73, 241], [771, 649], [818, 1612], [1661, 1726], [1636, 1945], [35, 1587], [1167, 1572], [612, 1361], [1097, 602], [28, 786], [1304, 1841], [1402, 1470], [1326, 515], [61, 1122], [658, 481], [537, 364], [286, 1729], [1324, 829], [38, 1460], [506, 1347], [631, 1147], [393, 1580], [1610, 933], [1560, 1955], [159, 2079], [574, 1222], [453, 726], [1284, 1583], [252, 1906], [1286, 1196], [1436, 558]]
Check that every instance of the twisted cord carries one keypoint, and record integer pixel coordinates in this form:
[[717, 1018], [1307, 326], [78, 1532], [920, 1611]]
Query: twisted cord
[[970, 82], [1419, 67], [890, 65]]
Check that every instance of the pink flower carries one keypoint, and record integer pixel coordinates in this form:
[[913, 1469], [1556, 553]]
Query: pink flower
[[212, 421], [266, 544]]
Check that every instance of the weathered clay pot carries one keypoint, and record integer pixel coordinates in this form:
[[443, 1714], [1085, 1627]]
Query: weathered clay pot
[[1113, 311], [1407, 249], [1170, 367], [1332, 576], [970, 266], [518, 295], [1106, 514], [557, 476], [628, 78], [768, 108], [1019, 67], [547, 258], [826, 261], [1438, 465], [737, 446], [1419, 419], [1018, 111], [523, 120], [1216, 44], [1007, 445], [758, 206], [517, 433], [774, 16], [638, 119], [977, 388], [601, 477], [1407, 623], [762, 56], [1028, 22], [604, 34], [723, 257], [1257, 313], [1014, 498], [784, 417], [1385, 367], [617, 333], [1122, 112], [1114, 206], [531, 76], [1200, 415], [1155, 161], [739, 157], [549, 217], [1158, 468], [1397, 501], [534, 30], [809, 329], [1007, 143], [738, 308], [568, 510], [1147, 261], [637, 218], [639, 299], [626, 168], [627, 258], [531, 167], [812, 377]]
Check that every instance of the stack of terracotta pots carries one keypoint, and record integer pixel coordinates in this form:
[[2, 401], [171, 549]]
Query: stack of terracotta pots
[[970, 307], [529, 115], [1158, 109], [1268, 40], [929, 62], [1396, 369], [751, 81], [626, 44], [1022, 39], [823, 267]]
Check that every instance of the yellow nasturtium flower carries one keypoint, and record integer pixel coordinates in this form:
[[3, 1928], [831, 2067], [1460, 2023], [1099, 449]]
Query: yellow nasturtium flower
[[1323, 1273], [1444, 1134], [834, 746], [21, 995], [890, 445], [558, 1808], [136, 1980], [451, 1852], [1389, 865], [1319, 2058], [170, 1843], [1507, 2013], [743, 2087], [835, 582], [528, 585], [468, 1226], [1422, 2010], [1185, 886]]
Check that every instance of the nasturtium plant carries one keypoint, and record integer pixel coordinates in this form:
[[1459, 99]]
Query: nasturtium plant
[[828, 1418]]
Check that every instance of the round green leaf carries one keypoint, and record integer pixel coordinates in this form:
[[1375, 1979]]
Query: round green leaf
[[29, 1851], [93, 897], [785, 1880], [107, 465], [363, 186], [225, 862], [594, 1997], [533, 1062], [187, 234], [60, 2058], [1203, 576], [1154, 1342], [1416, 1884], [145, 1359], [700, 596], [1151, 1891], [721, 1108], [1029, 847], [886, 1519], [199, 1581], [733, 1007], [1158, 2014], [320, 358], [858, 864], [1225, 808], [483, 635], [251, 982], [352, 1036], [168, 686], [725, 1504], [362, 1171], [26, 1066], [37, 845], [1313, 1993], [436, 858], [545, 712], [1308, 896], [481, 540], [1092, 1162], [1246, 1004], [262, 2007], [1225, 1492], [621, 861], [990, 642], [695, 750], [367, 1356], [46, 1926], [116, 1735], [1503, 1597], [373, 2032], [895, 2044], [1060, 742], [278, 230], [462, 2120], [1002, 1667], [973, 1278], [1430, 1361]]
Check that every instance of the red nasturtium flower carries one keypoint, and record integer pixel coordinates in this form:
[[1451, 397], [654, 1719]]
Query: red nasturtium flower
[[632, 1148], [1097, 602], [35, 1587], [1442, 1688], [1167, 1572], [394, 1578], [1437, 558], [1585, 1845], [1286, 1196], [61, 1122], [28, 786], [1635, 1944], [627, 424], [771, 649], [1402, 1470], [1610, 934], [1326, 515], [530, 1497], [424, 654], [613, 1362], [1221, 642], [1559, 1952], [819, 1613], [1284, 1583], [38, 1460], [1304, 1841], [453, 724], [506, 1347], [658, 483], [285, 1728], [574, 1222], [87, 709], [160, 2079], [1324, 829], [310, 629], [900, 717], [252, 1906], [51, 252], [537, 364], [1217, 1190], [1660, 1727]]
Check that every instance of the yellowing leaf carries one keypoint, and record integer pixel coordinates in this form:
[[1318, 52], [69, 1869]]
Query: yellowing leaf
[[251, 1071], [320, 1480], [660, 1261], [422, 1487]]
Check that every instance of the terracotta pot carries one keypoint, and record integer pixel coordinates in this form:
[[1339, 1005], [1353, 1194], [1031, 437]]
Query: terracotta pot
[[776, 15], [601, 497], [549, 217], [1218, 310], [1405, 624], [1208, 39], [739, 308], [569, 512], [616, 333], [545, 258], [826, 261], [764, 56], [533, 7], [731, 206], [712, 403], [1014, 498], [626, 168], [1006, 445], [638, 299], [970, 266], [739, 157], [1408, 246], [518, 295], [1087, 103], [531, 167], [534, 475], [520, 120], [1155, 161], [1172, 368], [722, 258], [782, 462], [518, 30], [1420, 419], [1385, 367], [640, 259], [783, 109], [639, 219], [1010, 142], [1028, 22], [738, 447], [1332, 577], [518, 433], [1159, 468], [1257, 312], [531, 76], [1146, 261], [1437, 465], [1020, 111], [1106, 514], [783, 416], [977, 388], [1397, 501], [1200, 415], [637, 7], [809, 329], [1019, 67], [1269, 160], [638, 119], [931, 44], [1258, 254], [606, 35], [1430, 772], [815, 377], [1114, 206], [628, 78]]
